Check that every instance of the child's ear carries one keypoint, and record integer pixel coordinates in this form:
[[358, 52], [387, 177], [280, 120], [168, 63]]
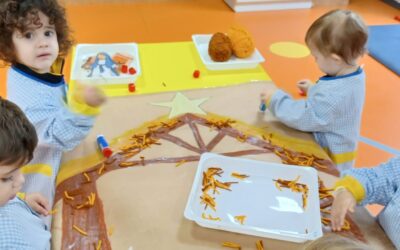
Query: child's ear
[[336, 58]]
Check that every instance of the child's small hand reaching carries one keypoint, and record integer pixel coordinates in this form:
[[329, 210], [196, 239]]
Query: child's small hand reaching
[[93, 96], [38, 203], [344, 201], [268, 92], [304, 85]]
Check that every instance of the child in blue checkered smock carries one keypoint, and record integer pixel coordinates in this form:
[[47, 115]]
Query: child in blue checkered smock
[[333, 107], [39, 34], [20, 225], [379, 185]]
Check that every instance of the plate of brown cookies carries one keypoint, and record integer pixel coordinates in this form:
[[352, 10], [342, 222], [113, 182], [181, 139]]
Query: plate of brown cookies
[[233, 50]]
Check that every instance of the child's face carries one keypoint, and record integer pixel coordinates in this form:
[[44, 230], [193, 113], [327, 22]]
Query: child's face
[[329, 64], [11, 181], [37, 48]]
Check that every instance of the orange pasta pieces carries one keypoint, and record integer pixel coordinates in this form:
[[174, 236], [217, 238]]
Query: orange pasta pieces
[[239, 176], [210, 182], [295, 187], [241, 218], [260, 245], [231, 245]]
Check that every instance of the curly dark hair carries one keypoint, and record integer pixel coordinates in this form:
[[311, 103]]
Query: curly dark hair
[[20, 14]]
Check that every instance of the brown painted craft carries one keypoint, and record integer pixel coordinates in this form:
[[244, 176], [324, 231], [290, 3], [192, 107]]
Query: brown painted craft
[[81, 209]]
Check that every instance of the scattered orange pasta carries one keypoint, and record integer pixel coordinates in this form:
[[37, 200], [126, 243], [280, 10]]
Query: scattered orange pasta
[[180, 163], [209, 217], [98, 247], [141, 141], [260, 245], [208, 201], [325, 193], [301, 159], [51, 212], [67, 196], [91, 198], [231, 245], [79, 230], [239, 176], [101, 169], [295, 187], [90, 201], [210, 183], [127, 164], [220, 124], [242, 138], [241, 218], [129, 154], [86, 176]]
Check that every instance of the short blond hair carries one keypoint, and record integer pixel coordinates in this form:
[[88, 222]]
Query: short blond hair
[[332, 241], [340, 32]]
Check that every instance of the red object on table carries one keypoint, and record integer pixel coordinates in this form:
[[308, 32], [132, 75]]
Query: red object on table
[[124, 69], [132, 71], [196, 73], [132, 87]]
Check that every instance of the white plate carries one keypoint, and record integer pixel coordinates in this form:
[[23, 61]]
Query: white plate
[[269, 212], [108, 76], [201, 42]]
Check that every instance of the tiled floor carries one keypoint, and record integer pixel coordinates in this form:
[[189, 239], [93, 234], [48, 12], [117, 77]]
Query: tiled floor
[[144, 21]]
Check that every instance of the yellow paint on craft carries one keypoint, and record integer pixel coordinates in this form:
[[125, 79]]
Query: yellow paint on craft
[[289, 49], [43, 169]]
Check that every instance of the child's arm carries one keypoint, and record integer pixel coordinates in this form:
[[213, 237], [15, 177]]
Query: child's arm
[[380, 183], [312, 115], [65, 126], [364, 186]]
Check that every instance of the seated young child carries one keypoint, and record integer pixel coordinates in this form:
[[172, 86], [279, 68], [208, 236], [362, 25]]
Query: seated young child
[[333, 107], [379, 185], [34, 34], [21, 227]]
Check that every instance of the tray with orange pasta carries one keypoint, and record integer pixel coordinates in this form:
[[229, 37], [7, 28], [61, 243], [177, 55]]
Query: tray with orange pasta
[[257, 198]]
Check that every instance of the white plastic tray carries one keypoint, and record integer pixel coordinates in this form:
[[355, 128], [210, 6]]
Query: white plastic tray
[[271, 213], [201, 43], [84, 51]]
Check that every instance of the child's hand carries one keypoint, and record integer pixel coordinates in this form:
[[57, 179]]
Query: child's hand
[[38, 203], [304, 85], [93, 96], [268, 93], [344, 201]]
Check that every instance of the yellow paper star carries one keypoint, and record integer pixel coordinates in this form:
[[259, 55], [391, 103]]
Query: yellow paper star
[[182, 105]]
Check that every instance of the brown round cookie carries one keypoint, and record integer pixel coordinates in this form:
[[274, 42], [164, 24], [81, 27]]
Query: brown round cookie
[[242, 42], [220, 47]]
